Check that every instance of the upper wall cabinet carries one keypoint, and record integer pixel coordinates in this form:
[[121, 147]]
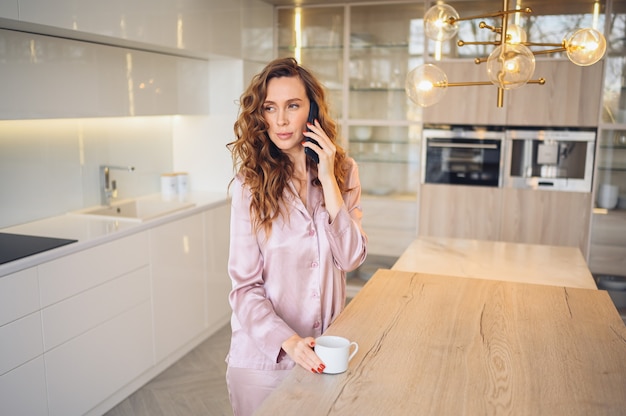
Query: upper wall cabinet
[[48, 77], [176, 24], [9, 9], [466, 105], [570, 97], [240, 29]]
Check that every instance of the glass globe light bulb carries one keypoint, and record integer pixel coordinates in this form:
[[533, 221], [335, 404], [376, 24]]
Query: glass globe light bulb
[[437, 24], [426, 85], [585, 46], [515, 34], [510, 66]]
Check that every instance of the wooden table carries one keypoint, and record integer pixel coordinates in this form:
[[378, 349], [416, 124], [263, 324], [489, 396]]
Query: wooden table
[[498, 260], [441, 345]]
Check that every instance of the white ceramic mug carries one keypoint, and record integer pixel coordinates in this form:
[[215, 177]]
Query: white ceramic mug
[[335, 353]]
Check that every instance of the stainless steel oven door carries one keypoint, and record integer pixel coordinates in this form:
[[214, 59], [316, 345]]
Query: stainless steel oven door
[[560, 160], [462, 157]]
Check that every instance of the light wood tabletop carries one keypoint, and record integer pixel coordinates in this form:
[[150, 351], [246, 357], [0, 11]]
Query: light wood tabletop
[[442, 345], [497, 260]]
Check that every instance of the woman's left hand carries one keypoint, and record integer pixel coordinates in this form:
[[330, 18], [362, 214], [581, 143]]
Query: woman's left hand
[[326, 151]]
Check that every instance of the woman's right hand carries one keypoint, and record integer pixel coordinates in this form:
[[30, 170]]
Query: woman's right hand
[[301, 352]]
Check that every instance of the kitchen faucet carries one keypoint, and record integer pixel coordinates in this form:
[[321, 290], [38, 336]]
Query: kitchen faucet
[[108, 189]]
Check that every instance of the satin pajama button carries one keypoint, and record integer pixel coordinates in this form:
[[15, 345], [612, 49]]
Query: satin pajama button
[[311, 233], [316, 324], [314, 264]]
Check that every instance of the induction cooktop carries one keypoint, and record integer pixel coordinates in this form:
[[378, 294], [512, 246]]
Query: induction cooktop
[[17, 246]]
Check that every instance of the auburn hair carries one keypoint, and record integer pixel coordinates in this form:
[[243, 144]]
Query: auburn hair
[[262, 166]]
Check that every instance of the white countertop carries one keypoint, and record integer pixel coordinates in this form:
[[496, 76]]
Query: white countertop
[[90, 231], [498, 260]]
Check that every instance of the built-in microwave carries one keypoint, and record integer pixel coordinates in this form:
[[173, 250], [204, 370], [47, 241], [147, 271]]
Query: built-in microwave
[[463, 155], [554, 159]]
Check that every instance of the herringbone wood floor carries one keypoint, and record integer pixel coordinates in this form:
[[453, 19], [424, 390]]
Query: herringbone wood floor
[[194, 385]]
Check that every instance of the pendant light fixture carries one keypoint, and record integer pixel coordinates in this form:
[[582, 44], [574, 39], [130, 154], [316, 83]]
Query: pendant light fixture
[[512, 62]]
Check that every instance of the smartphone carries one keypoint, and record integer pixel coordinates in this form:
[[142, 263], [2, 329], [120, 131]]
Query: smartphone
[[313, 115]]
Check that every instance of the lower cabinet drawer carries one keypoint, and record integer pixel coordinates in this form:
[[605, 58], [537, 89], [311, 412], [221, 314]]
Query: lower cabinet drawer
[[71, 317], [23, 390], [88, 369], [20, 341]]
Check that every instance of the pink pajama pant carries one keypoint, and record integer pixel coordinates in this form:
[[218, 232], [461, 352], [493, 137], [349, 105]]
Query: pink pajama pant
[[248, 388]]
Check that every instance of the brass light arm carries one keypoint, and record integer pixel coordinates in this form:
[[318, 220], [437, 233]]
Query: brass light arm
[[463, 43], [452, 20], [559, 45], [540, 81], [548, 51], [494, 29]]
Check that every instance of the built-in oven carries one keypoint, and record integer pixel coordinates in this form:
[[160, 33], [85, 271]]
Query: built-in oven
[[463, 155], [555, 159]]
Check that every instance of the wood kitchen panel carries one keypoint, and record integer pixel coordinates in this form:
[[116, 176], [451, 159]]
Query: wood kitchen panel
[[474, 105], [570, 96], [443, 345], [460, 211], [546, 217]]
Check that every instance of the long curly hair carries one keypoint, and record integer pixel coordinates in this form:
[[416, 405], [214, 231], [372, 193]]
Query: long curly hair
[[263, 167]]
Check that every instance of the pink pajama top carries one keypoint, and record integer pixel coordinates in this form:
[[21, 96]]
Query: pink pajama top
[[295, 282]]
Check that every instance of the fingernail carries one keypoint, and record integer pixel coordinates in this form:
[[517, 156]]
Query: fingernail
[[313, 370], [321, 369], [322, 366]]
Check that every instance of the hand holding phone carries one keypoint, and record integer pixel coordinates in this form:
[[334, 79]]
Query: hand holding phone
[[313, 115]]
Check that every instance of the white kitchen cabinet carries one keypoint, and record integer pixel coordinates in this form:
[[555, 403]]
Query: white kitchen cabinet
[[50, 77], [178, 283], [9, 9], [81, 332], [218, 284], [67, 319], [70, 275], [179, 24], [22, 376], [86, 370], [23, 390], [20, 341], [96, 321], [19, 295]]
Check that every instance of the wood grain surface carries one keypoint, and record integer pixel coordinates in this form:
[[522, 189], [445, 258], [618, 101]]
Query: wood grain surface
[[441, 345], [497, 260]]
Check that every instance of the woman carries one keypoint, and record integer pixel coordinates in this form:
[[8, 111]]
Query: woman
[[295, 231]]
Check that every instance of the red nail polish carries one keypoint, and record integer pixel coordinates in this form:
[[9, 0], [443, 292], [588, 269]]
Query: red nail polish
[[319, 370], [313, 370], [322, 366]]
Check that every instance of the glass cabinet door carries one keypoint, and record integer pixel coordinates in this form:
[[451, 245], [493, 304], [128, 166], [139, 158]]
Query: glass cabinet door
[[607, 254], [314, 36], [364, 66], [386, 42]]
